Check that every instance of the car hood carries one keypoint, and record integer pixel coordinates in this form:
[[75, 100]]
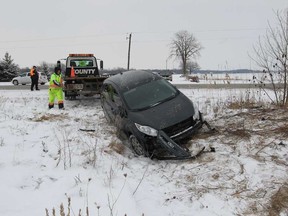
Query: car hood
[[165, 114]]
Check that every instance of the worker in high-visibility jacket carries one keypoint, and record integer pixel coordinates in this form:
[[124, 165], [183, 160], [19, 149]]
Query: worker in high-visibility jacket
[[56, 89], [34, 78]]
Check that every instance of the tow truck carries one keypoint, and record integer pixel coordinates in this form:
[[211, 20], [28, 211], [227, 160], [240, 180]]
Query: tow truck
[[82, 75]]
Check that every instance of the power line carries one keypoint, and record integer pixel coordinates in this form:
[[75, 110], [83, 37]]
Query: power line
[[60, 38], [136, 32]]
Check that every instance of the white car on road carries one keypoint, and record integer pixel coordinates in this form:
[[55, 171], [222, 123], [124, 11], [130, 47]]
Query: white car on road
[[24, 78]]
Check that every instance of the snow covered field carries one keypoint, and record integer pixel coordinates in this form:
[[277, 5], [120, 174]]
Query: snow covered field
[[47, 156], [222, 78]]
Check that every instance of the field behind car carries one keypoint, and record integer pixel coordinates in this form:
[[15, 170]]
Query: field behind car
[[72, 156]]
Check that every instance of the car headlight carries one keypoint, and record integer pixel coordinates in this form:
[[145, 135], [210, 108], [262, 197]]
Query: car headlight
[[146, 130]]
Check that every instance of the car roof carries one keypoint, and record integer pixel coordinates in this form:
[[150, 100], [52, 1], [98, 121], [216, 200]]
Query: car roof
[[130, 79]]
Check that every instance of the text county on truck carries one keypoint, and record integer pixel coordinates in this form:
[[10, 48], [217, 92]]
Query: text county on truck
[[82, 75]]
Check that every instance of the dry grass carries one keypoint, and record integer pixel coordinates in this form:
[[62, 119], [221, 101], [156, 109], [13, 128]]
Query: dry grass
[[279, 202], [237, 133], [69, 210], [242, 105], [50, 117], [256, 120], [281, 130], [270, 125], [115, 146]]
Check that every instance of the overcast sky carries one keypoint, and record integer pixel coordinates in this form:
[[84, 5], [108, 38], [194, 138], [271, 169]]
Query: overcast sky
[[33, 31]]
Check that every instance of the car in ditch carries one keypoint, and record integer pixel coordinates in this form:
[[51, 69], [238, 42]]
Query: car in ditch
[[24, 78], [151, 113]]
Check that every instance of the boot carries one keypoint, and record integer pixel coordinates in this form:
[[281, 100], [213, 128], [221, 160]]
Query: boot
[[61, 106]]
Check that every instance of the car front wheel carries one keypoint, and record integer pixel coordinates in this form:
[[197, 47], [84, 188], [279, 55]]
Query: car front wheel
[[15, 82], [136, 146]]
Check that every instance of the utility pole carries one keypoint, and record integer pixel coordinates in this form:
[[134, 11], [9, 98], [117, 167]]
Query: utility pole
[[128, 65]]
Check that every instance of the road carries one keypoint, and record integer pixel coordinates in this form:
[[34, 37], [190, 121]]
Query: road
[[9, 86]]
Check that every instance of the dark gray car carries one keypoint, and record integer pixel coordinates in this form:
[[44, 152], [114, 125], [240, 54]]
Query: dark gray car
[[151, 113]]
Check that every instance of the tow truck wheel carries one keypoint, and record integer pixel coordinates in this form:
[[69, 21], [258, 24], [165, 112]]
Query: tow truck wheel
[[136, 146], [71, 97]]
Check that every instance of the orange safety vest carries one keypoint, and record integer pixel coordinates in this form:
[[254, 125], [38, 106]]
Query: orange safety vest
[[32, 72]]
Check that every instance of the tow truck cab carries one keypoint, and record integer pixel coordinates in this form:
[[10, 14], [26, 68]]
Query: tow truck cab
[[82, 76], [84, 65]]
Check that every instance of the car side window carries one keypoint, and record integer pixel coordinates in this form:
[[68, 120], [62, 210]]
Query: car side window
[[112, 93], [108, 92]]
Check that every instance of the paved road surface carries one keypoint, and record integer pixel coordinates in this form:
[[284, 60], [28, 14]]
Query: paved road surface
[[9, 86]]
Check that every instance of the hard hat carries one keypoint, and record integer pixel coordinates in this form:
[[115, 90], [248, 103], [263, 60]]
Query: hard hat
[[57, 69]]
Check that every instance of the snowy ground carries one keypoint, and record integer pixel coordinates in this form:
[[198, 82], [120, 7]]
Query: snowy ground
[[47, 156], [222, 78]]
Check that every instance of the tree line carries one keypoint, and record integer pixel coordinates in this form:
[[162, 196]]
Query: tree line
[[9, 69]]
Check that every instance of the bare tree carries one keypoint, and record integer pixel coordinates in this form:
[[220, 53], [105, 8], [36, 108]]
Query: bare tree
[[185, 46], [192, 66], [44, 67], [271, 54]]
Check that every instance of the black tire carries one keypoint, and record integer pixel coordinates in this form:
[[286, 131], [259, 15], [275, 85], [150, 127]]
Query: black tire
[[136, 146], [69, 97], [15, 82]]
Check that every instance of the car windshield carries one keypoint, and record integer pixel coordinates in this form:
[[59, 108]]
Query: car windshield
[[149, 94]]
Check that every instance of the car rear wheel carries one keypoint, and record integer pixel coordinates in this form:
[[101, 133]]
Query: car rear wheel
[[15, 82], [136, 146]]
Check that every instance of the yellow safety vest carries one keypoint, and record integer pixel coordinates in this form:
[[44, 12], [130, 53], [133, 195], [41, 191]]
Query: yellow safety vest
[[58, 79]]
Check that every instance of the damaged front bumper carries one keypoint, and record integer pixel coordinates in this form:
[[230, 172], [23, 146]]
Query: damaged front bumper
[[177, 152]]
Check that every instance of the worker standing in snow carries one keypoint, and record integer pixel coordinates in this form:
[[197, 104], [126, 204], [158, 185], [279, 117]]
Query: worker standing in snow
[[56, 89], [34, 78]]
